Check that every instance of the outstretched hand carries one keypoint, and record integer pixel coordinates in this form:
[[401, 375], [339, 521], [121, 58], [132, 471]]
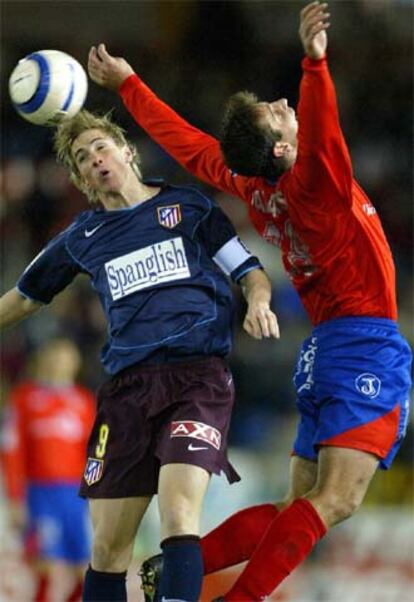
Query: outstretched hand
[[312, 29], [106, 70], [260, 321]]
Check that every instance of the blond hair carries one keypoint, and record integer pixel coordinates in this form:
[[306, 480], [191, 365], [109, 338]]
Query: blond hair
[[67, 132]]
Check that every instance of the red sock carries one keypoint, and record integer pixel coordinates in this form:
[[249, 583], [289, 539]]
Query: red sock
[[285, 545], [41, 588], [236, 538], [76, 593]]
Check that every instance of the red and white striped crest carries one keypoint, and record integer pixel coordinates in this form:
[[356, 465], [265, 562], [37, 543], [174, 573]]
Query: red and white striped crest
[[169, 216]]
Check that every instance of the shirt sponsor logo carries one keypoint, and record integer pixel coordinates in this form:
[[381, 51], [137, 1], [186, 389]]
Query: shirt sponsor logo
[[93, 471], [152, 265], [196, 430], [368, 384], [169, 216]]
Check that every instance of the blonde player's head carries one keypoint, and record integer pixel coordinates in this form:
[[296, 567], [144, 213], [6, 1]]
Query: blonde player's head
[[101, 127]]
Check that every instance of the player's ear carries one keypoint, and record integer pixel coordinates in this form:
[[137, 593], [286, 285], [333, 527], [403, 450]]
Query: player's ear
[[128, 154], [280, 149]]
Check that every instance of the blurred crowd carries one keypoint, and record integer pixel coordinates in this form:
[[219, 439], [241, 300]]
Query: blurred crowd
[[194, 54]]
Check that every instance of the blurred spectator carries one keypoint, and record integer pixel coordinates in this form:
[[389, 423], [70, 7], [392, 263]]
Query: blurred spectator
[[45, 432]]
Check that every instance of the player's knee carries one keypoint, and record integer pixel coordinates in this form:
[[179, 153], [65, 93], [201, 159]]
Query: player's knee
[[101, 556], [346, 507], [111, 558], [335, 508], [179, 518]]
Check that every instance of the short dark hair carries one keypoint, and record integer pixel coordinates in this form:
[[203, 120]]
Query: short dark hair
[[246, 146]]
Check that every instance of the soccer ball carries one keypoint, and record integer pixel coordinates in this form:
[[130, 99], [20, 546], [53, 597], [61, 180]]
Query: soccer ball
[[48, 86]]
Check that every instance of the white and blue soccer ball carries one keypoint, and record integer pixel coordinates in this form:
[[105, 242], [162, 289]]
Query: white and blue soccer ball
[[48, 86]]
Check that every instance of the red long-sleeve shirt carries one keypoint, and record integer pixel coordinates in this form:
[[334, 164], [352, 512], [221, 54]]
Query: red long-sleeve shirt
[[332, 242], [45, 434]]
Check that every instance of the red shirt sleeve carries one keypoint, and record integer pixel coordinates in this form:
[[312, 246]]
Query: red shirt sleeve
[[196, 151], [322, 174]]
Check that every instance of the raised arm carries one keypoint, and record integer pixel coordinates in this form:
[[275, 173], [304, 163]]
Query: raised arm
[[14, 308], [46, 276], [195, 150], [323, 166]]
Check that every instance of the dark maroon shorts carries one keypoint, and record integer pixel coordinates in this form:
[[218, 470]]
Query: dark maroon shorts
[[148, 416]]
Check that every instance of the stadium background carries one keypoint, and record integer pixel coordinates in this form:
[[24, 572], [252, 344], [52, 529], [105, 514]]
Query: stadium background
[[194, 55]]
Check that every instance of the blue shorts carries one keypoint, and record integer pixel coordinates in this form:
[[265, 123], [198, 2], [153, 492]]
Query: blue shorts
[[353, 381], [59, 522]]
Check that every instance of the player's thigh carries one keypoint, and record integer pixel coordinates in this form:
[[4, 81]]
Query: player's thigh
[[181, 491], [344, 475], [116, 521], [302, 478]]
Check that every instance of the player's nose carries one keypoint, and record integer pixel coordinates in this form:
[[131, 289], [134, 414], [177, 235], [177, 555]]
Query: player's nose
[[281, 103]]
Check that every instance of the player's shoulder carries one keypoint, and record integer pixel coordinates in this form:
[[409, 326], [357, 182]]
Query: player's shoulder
[[180, 193], [192, 194], [22, 391], [82, 219], [77, 222], [83, 226]]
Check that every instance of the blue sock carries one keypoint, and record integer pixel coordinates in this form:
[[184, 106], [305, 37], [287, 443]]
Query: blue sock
[[182, 573], [104, 587]]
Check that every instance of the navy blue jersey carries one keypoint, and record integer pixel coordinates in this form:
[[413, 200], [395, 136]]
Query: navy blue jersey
[[159, 269]]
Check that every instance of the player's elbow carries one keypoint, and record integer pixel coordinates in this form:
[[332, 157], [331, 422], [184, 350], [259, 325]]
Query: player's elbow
[[14, 307]]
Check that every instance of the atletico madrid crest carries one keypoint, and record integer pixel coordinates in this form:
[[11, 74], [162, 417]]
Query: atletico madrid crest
[[169, 216], [93, 471]]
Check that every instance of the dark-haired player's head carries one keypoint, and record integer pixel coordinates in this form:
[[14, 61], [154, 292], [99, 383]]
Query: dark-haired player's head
[[97, 154], [258, 138]]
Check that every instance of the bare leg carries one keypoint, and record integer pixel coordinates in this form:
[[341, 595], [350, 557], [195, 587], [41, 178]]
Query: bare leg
[[343, 479], [62, 578], [115, 524], [303, 476], [180, 497]]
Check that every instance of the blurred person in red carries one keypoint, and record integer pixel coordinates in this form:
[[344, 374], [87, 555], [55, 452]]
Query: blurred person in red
[[43, 452]]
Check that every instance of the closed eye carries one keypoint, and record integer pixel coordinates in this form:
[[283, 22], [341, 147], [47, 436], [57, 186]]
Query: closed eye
[[273, 113]]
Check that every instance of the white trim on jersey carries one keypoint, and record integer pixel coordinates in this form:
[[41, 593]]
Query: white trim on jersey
[[231, 255]]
